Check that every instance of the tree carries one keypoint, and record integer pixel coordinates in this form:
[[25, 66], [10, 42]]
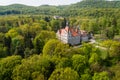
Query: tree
[[94, 58], [93, 26], [19, 50], [41, 39], [2, 37], [62, 62], [86, 77], [64, 74], [113, 48], [7, 43], [17, 40], [101, 76], [7, 65], [12, 33], [27, 52], [37, 76], [35, 29], [110, 33], [43, 24], [28, 35], [84, 25], [55, 24], [47, 19], [72, 22], [34, 67], [86, 49], [63, 23], [61, 49], [3, 51], [49, 47], [38, 44], [28, 40], [116, 71], [79, 63]]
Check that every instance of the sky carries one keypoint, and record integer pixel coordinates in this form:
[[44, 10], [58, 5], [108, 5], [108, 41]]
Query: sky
[[38, 2]]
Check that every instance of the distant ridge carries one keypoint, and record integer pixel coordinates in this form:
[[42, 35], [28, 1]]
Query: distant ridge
[[97, 4], [51, 10]]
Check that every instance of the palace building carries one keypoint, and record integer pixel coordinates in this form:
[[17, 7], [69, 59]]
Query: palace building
[[72, 36]]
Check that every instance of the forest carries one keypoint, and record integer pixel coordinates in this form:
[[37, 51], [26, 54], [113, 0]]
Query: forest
[[72, 10], [29, 49]]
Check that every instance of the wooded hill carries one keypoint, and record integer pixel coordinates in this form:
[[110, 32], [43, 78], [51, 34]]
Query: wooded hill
[[59, 10]]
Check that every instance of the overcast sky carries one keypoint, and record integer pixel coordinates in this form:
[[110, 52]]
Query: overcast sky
[[38, 2]]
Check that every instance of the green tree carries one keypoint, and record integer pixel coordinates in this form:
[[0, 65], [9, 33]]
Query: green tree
[[41, 39], [86, 77], [26, 32], [19, 50], [55, 24], [12, 33], [7, 43], [95, 58], [79, 63], [64, 74], [112, 48], [114, 52], [72, 22], [43, 24], [49, 47], [3, 51], [2, 37], [17, 42], [7, 65], [61, 49], [35, 29], [34, 67], [110, 33], [116, 70], [27, 52], [62, 62], [101, 76], [37, 76], [87, 49]]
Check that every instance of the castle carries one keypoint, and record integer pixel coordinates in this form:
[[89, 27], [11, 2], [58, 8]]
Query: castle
[[72, 36]]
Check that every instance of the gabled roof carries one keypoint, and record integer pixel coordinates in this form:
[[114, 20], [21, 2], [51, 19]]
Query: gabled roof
[[74, 32], [83, 33]]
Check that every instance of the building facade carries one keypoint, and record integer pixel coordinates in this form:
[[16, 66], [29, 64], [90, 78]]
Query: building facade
[[72, 36]]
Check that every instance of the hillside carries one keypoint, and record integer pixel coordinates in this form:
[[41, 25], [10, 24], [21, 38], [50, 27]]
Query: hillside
[[57, 10], [96, 4]]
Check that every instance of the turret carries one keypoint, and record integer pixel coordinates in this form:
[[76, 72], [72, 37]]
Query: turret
[[67, 23]]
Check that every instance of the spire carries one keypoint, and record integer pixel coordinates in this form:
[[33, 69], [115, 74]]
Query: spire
[[67, 23], [78, 27]]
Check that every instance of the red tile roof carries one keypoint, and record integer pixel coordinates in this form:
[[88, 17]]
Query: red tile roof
[[74, 32]]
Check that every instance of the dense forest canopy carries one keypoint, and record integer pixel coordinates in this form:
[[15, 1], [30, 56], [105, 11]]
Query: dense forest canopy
[[29, 49], [57, 10]]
